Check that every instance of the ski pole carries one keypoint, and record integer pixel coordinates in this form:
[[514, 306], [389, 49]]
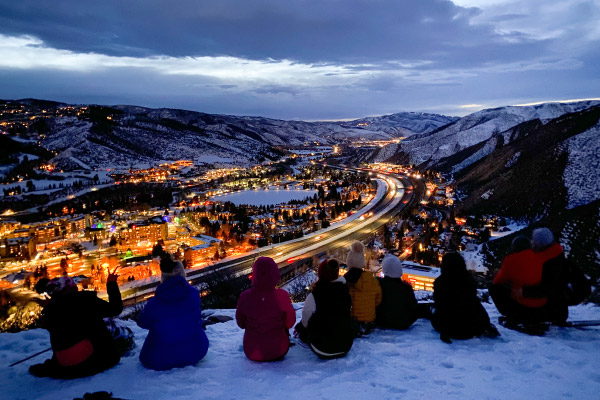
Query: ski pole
[[30, 357]]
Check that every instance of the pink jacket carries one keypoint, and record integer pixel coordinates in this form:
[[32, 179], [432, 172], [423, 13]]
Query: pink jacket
[[265, 313]]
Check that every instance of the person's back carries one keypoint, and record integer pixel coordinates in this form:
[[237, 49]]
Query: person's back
[[326, 323], [398, 308], [266, 314], [80, 340], [364, 287], [458, 312], [176, 337]]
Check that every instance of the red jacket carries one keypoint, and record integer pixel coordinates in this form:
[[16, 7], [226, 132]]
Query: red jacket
[[266, 313], [524, 269]]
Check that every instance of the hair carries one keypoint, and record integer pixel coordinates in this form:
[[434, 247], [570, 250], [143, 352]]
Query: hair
[[541, 239], [453, 263], [329, 270], [520, 243]]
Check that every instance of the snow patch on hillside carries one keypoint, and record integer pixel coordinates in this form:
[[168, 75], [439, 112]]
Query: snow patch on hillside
[[485, 151], [582, 173]]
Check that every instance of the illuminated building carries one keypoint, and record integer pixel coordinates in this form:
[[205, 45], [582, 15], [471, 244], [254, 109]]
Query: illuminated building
[[22, 247], [47, 233], [420, 276], [150, 231], [204, 248]]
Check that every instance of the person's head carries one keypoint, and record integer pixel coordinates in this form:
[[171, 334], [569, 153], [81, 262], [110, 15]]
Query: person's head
[[453, 264], [170, 268], [56, 286], [356, 256], [520, 243], [265, 273], [329, 270], [392, 266], [541, 239]]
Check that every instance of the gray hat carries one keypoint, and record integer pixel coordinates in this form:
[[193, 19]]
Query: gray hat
[[392, 266], [541, 238]]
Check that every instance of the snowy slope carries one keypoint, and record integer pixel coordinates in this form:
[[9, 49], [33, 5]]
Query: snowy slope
[[405, 123], [480, 126], [413, 364], [582, 173]]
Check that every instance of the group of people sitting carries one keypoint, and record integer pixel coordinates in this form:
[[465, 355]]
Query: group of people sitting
[[530, 287]]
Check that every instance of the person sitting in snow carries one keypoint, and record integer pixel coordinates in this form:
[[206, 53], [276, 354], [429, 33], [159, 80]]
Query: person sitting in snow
[[458, 314], [326, 323], [532, 285], [364, 289], [266, 314], [398, 308], [519, 269], [176, 336], [82, 344]]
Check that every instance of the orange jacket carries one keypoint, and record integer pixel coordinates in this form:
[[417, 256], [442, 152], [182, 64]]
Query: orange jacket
[[366, 294]]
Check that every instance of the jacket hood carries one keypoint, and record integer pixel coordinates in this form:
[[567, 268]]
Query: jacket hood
[[265, 273], [173, 290]]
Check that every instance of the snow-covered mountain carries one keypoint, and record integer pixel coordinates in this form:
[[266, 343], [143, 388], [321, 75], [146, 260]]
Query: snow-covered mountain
[[545, 173], [478, 127], [102, 136], [403, 124]]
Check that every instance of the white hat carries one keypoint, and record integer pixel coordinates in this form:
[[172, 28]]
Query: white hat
[[356, 257], [392, 266]]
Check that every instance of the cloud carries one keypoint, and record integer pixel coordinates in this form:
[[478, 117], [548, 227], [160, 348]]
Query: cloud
[[300, 58]]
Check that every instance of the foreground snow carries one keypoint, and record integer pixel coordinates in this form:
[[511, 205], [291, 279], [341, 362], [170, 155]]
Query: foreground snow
[[413, 364]]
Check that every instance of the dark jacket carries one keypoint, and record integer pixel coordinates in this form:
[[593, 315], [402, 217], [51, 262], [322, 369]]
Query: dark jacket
[[75, 323], [330, 327], [174, 318], [458, 312], [398, 308]]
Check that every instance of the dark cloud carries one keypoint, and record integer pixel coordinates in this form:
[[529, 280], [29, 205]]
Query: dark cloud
[[425, 55], [307, 31]]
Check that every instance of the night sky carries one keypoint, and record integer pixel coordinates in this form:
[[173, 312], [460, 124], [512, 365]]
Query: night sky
[[298, 59]]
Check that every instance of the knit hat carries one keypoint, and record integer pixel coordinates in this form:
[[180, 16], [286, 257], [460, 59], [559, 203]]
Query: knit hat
[[541, 238], [356, 256], [170, 268], [392, 266], [329, 270], [64, 284], [520, 243]]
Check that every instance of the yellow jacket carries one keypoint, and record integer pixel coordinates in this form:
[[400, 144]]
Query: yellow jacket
[[366, 294]]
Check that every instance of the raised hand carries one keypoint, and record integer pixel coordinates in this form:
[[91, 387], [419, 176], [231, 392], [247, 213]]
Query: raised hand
[[112, 276]]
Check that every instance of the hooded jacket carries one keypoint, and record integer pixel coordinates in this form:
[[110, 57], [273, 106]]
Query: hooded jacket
[[365, 292], [266, 314], [174, 319]]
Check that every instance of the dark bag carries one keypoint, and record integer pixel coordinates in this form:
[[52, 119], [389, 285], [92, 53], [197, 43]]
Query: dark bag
[[579, 286]]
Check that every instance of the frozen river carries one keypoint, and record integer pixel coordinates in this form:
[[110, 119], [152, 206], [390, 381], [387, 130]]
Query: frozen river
[[264, 197]]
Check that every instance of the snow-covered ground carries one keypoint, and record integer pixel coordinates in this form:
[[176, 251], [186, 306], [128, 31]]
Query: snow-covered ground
[[264, 197], [412, 364]]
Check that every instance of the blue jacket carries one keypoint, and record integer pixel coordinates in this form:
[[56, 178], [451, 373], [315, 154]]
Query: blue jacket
[[174, 318]]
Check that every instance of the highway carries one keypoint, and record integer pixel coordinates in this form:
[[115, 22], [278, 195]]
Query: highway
[[394, 194]]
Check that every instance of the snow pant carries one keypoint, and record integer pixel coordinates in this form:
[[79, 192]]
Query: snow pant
[[93, 357], [553, 311]]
